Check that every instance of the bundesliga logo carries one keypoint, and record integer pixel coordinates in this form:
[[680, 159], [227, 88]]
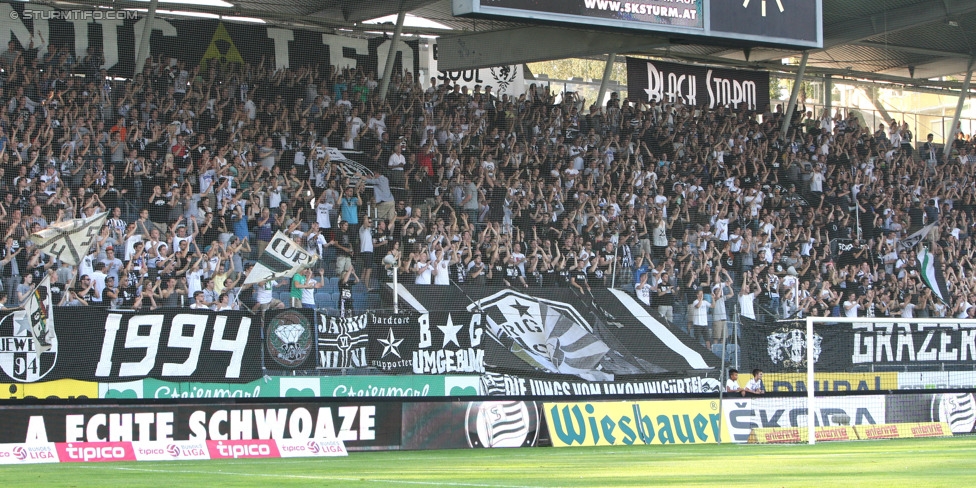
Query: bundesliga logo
[[173, 450]]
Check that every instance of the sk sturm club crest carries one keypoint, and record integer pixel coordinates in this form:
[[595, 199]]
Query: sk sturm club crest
[[289, 338], [502, 424], [28, 343], [789, 347]]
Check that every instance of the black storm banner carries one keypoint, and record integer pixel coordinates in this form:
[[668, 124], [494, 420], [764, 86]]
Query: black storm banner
[[844, 346], [604, 337], [698, 86], [342, 342], [117, 34], [393, 342], [99, 345]]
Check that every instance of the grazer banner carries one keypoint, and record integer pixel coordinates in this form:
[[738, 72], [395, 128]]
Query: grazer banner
[[173, 344], [540, 340], [197, 41], [698, 86], [361, 425], [840, 347]]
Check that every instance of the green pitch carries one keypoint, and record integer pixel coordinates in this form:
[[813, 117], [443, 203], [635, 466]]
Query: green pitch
[[910, 463]]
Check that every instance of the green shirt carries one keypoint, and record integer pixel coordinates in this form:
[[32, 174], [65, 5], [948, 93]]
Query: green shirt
[[298, 279]]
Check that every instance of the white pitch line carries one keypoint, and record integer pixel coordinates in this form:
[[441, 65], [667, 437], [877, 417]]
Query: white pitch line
[[308, 477]]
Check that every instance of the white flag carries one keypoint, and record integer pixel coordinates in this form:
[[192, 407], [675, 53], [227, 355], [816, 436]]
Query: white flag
[[911, 241], [281, 259], [70, 241]]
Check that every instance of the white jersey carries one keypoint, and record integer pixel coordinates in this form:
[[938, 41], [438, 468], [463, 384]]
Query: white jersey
[[443, 276], [322, 214]]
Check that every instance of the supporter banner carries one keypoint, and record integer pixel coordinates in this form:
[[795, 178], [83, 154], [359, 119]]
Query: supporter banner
[[393, 342], [627, 423], [742, 415], [29, 343], [554, 330], [457, 425], [831, 381], [494, 384], [176, 344], [34, 453], [956, 409], [843, 346], [289, 338], [504, 80], [281, 259], [342, 342], [360, 425], [195, 41], [69, 241], [664, 82]]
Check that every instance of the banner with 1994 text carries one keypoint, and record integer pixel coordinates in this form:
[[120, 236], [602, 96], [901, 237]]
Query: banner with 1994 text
[[94, 344]]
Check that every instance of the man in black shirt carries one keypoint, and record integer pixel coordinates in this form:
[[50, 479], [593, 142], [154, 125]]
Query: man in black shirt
[[513, 275], [343, 243]]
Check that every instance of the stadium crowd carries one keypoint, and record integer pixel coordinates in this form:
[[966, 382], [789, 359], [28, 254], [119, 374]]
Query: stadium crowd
[[698, 211]]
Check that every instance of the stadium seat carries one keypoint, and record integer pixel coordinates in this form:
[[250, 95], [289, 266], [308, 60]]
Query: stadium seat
[[323, 300], [331, 285], [359, 301]]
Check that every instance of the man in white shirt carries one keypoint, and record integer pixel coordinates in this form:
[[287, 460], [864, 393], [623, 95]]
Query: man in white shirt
[[396, 163], [851, 305], [755, 385], [98, 280], [732, 384], [747, 298], [322, 210]]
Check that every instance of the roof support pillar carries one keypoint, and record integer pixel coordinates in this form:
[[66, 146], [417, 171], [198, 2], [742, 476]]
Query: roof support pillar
[[954, 128], [146, 36], [391, 56], [607, 71], [791, 107]]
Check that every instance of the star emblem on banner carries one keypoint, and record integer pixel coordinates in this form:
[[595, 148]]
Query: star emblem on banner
[[450, 331], [523, 310], [24, 323], [391, 345]]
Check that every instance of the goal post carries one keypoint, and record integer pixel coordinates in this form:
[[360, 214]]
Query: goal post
[[837, 371]]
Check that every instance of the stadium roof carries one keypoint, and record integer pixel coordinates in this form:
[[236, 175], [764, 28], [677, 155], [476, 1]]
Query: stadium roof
[[904, 41]]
